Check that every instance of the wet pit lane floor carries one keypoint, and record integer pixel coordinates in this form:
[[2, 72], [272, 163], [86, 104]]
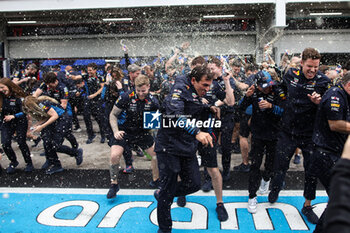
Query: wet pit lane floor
[[75, 201]]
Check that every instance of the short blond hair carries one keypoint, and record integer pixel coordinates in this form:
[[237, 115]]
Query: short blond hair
[[141, 80]]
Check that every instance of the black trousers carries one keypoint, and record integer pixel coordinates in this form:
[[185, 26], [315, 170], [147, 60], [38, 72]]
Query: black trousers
[[47, 135], [53, 137], [226, 136], [94, 108], [8, 129], [170, 167], [76, 102], [285, 148], [322, 163], [107, 108], [66, 127], [258, 149]]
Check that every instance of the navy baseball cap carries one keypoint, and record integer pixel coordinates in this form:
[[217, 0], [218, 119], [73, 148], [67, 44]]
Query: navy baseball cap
[[264, 79]]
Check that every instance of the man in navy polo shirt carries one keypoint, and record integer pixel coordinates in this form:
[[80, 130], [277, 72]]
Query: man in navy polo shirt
[[304, 88], [130, 133], [265, 97], [332, 127], [176, 146]]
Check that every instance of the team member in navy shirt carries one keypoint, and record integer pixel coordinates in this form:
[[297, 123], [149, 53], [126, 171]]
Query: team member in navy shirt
[[226, 116], [337, 214], [29, 80], [54, 88], [131, 132], [332, 127], [13, 120], [52, 124], [93, 103], [265, 98], [176, 146], [110, 93], [129, 81], [304, 88], [221, 91]]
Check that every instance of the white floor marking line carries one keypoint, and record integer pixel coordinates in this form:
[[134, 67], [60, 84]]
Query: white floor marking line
[[140, 191]]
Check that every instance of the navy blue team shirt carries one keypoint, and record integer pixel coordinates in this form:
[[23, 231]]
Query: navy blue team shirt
[[182, 103], [334, 106], [299, 111], [134, 108]]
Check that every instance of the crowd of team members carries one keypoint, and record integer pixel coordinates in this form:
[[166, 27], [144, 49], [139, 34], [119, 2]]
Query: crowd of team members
[[281, 108]]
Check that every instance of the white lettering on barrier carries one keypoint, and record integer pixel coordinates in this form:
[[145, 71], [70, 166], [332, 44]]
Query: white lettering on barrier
[[199, 220], [113, 216], [261, 218], [47, 216], [319, 208]]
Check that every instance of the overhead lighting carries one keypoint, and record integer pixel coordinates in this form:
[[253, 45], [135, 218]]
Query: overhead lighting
[[116, 19], [112, 60], [21, 22], [217, 16], [324, 13]]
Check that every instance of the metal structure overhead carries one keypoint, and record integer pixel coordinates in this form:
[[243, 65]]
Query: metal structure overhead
[[87, 11], [37, 5]]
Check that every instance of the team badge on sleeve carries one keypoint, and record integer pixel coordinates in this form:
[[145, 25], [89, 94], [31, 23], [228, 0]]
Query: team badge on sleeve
[[335, 103]]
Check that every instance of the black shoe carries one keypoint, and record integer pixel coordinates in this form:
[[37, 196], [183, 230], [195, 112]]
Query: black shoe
[[36, 141], [221, 212], [207, 186], [273, 195], [12, 167], [154, 183], [226, 175], [103, 139], [42, 154], [310, 214], [181, 201], [242, 168], [79, 158], [219, 149], [45, 165], [90, 139], [236, 150], [129, 169], [112, 192], [54, 169], [160, 231], [29, 168], [156, 194], [139, 153]]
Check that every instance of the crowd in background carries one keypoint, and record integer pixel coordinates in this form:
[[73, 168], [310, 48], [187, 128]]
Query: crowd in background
[[65, 94]]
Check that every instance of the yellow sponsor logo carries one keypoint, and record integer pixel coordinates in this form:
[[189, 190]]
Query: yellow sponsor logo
[[335, 105]]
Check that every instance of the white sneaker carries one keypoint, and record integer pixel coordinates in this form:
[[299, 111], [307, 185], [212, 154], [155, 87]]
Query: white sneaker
[[264, 187], [77, 130], [252, 205], [199, 158]]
